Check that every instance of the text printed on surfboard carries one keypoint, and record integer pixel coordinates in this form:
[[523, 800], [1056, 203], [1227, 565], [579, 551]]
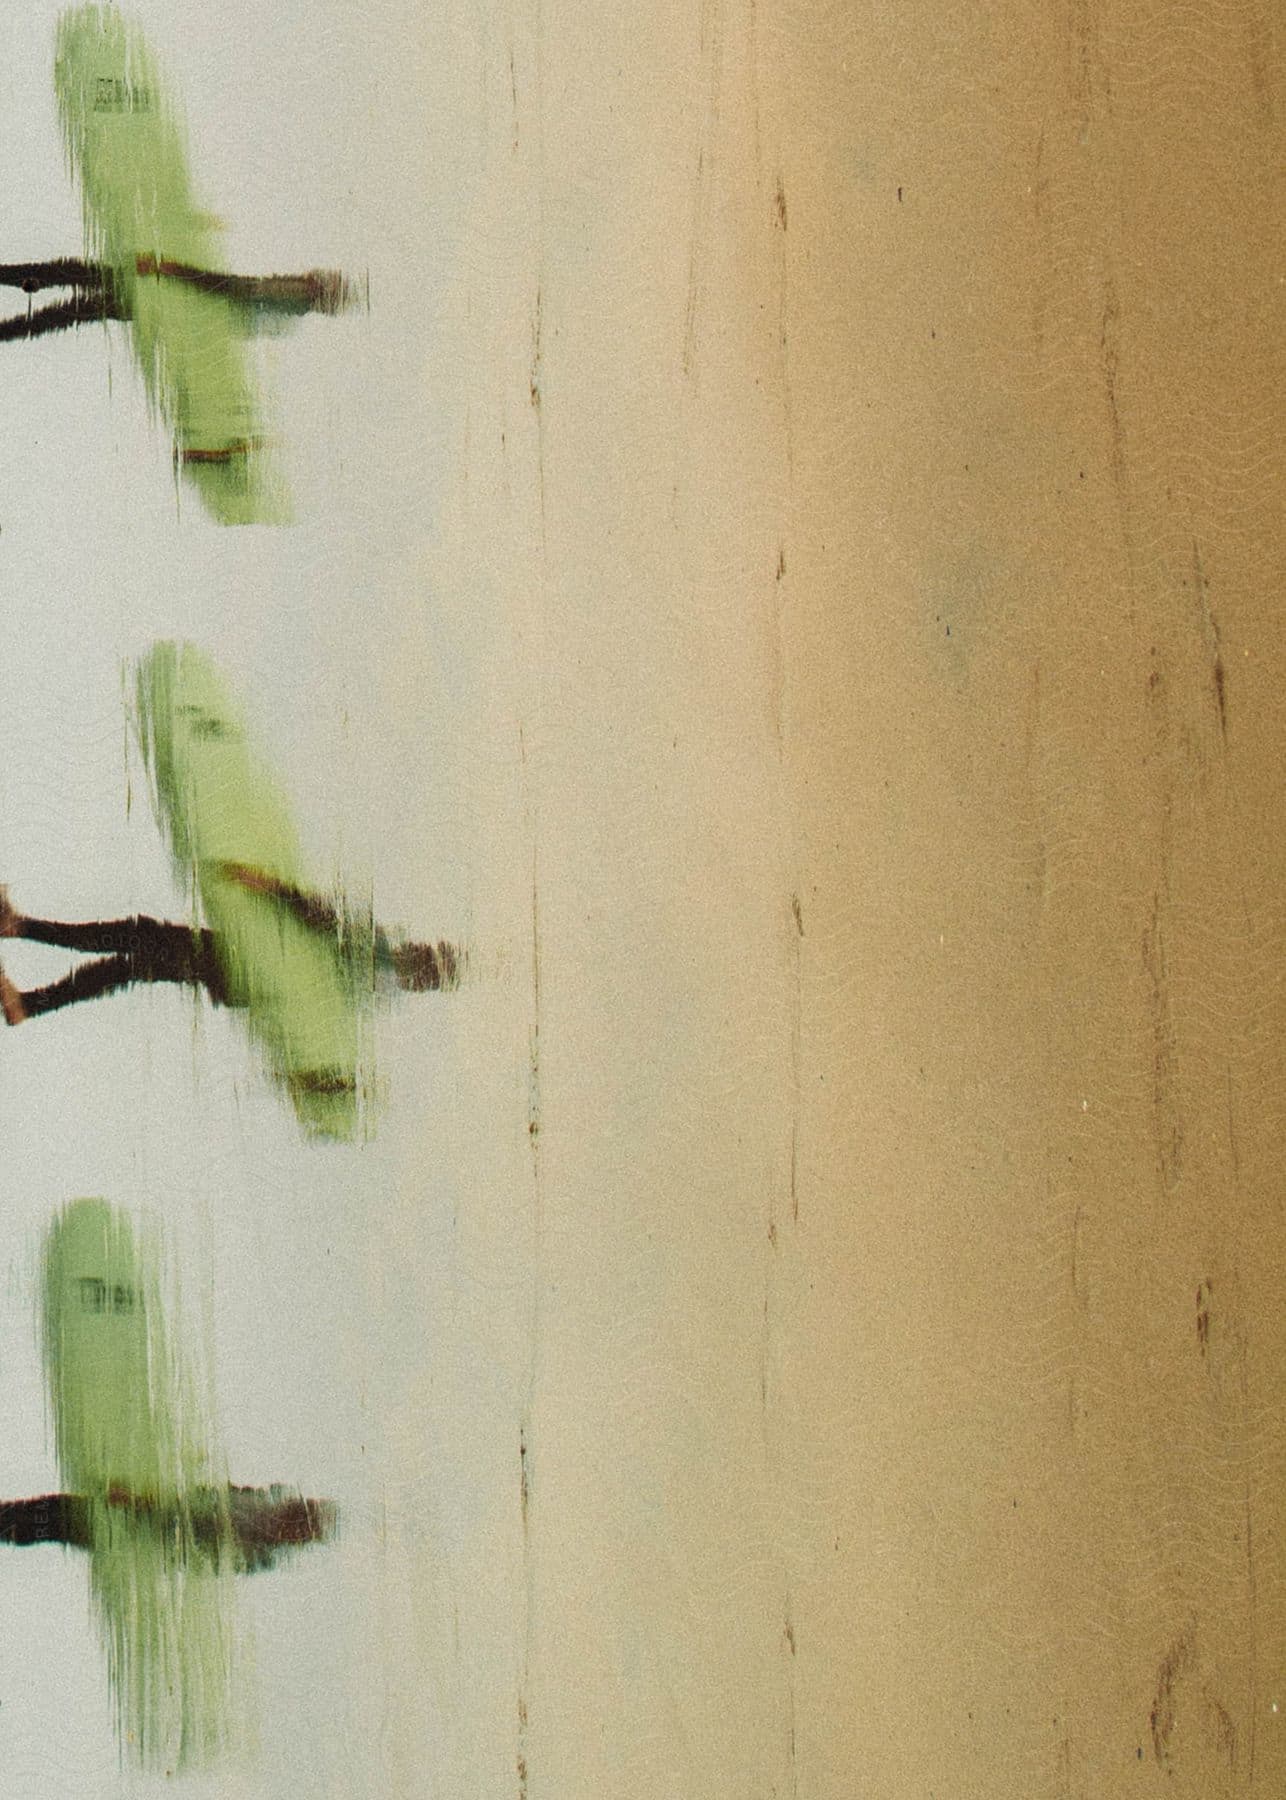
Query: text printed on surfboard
[[114, 95]]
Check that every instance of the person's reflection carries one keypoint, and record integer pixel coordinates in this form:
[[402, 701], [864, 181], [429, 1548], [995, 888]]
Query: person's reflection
[[94, 294], [142, 949], [256, 1526]]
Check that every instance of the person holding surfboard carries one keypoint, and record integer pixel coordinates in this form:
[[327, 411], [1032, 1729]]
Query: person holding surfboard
[[140, 949], [153, 259], [94, 294], [255, 1525], [300, 969], [143, 1489]]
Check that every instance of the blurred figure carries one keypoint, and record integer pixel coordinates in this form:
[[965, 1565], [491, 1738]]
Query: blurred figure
[[143, 949], [255, 1525]]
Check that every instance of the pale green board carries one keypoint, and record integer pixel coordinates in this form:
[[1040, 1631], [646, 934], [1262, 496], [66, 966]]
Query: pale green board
[[126, 143], [305, 992], [127, 1423]]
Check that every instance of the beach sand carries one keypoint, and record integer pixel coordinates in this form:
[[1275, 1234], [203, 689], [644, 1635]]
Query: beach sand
[[810, 1322], [875, 439]]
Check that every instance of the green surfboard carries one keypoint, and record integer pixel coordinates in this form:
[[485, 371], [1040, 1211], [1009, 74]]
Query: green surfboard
[[126, 143], [218, 806], [131, 1438]]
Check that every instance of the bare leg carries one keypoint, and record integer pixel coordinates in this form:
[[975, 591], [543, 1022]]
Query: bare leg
[[417, 968], [11, 1001], [310, 909], [319, 290]]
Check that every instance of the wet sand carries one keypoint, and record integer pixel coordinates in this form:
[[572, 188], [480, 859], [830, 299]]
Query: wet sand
[[874, 434], [810, 1322]]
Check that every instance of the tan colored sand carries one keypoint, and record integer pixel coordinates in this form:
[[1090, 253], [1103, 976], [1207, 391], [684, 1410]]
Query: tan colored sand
[[868, 1317]]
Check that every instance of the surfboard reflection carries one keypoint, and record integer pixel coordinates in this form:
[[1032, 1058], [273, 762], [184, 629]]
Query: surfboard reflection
[[152, 261], [145, 1494]]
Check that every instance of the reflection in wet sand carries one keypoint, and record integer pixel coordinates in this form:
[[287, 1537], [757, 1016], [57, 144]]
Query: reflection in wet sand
[[95, 295], [152, 260], [254, 1527], [139, 949], [304, 969], [148, 1500]]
